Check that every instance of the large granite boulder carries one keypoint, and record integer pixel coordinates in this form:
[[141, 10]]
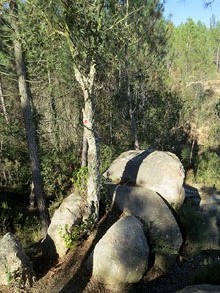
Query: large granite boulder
[[120, 169], [159, 221], [157, 170], [68, 215], [15, 267], [120, 258]]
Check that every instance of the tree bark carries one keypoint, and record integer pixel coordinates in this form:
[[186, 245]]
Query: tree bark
[[84, 157], [3, 103], [53, 126], [93, 183], [128, 86], [28, 122]]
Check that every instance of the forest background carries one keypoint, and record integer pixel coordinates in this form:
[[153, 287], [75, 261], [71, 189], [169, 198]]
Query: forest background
[[83, 81]]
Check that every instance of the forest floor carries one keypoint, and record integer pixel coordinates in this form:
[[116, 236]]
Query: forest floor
[[70, 274]]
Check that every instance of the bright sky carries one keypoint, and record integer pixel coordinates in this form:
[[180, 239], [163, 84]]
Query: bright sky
[[195, 9]]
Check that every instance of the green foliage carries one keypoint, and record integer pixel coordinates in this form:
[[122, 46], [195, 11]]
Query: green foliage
[[26, 228], [161, 114], [9, 276], [5, 217], [57, 168], [105, 199], [185, 155], [208, 169], [106, 157], [71, 236], [28, 231], [192, 223], [192, 52], [79, 180], [193, 99], [164, 248], [217, 107], [14, 169]]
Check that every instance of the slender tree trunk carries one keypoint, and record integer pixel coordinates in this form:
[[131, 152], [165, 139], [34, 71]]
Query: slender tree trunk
[[84, 157], [3, 103], [128, 86], [93, 185], [130, 103], [54, 127], [28, 122]]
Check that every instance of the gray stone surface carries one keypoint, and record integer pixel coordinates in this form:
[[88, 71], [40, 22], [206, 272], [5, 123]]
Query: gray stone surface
[[65, 217], [157, 170], [120, 257], [15, 267], [116, 172], [161, 225]]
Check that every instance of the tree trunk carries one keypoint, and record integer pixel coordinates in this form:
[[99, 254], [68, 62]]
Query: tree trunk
[[93, 183], [129, 97], [84, 157], [3, 103], [28, 122], [53, 125], [130, 104]]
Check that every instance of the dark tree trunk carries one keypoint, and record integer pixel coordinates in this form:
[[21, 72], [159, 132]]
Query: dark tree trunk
[[28, 122], [84, 157]]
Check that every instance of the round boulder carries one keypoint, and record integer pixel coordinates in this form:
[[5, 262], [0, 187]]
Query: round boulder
[[157, 170], [162, 228], [15, 267], [120, 258], [64, 219]]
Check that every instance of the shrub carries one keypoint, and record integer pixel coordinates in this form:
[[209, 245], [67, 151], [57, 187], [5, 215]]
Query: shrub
[[30, 231], [208, 169], [106, 157], [14, 162], [192, 222], [6, 218], [79, 180], [57, 168]]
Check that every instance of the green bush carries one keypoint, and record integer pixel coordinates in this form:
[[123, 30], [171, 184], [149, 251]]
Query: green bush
[[28, 232], [14, 161], [79, 180], [57, 169], [192, 223], [208, 169], [217, 108], [5, 217], [106, 157], [185, 155]]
